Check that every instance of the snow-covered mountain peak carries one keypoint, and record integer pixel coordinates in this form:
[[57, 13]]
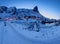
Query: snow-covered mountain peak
[[18, 25], [13, 11]]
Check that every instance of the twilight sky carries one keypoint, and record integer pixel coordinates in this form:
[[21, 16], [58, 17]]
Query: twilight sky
[[48, 8]]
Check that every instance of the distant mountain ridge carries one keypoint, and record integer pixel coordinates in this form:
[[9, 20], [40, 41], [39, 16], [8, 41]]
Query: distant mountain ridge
[[23, 13]]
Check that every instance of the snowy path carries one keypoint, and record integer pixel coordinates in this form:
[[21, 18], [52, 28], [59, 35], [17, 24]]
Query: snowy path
[[9, 35]]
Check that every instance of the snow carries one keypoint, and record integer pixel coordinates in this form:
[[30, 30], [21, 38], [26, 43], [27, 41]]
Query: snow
[[11, 36], [14, 33], [47, 31], [24, 31]]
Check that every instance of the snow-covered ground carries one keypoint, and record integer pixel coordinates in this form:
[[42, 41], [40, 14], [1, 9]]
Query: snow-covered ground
[[15, 33], [46, 33], [24, 26]]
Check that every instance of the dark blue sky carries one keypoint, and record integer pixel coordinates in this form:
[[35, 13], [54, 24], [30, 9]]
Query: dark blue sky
[[48, 8]]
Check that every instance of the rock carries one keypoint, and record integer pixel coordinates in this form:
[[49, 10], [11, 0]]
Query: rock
[[35, 9], [11, 10], [3, 9]]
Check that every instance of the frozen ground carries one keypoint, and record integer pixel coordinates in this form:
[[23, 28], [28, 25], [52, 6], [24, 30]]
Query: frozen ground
[[15, 33], [26, 26]]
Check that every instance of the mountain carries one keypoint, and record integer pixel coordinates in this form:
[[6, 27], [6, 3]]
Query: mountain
[[27, 26], [20, 12]]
